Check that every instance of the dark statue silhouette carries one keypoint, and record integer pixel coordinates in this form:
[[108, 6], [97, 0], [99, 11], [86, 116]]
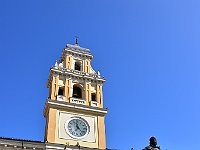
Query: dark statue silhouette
[[152, 145]]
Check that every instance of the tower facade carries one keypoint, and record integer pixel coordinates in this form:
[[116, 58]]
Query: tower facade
[[74, 109]]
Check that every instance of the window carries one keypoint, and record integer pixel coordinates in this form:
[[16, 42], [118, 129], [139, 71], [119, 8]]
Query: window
[[60, 91], [77, 92], [77, 66], [93, 97]]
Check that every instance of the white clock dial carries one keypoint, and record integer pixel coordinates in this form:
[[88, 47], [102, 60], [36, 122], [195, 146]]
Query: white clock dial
[[77, 127]]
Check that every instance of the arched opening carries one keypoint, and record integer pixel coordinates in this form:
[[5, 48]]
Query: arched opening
[[61, 91], [77, 92], [77, 66], [93, 97]]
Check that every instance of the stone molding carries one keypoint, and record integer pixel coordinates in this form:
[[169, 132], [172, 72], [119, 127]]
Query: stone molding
[[19, 144], [76, 51], [54, 146], [9, 143], [59, 105], [74, 74]]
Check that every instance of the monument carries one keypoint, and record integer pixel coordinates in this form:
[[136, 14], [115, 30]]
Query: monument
[[152, 145]]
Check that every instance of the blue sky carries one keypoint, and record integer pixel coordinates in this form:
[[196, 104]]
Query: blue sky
[[148, 50]]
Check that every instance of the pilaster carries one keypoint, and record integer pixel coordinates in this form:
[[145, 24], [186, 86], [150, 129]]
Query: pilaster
[[99, 95], [68, 62], [87, 66], [87, 93], [56, 86], [67, 89], [53, 88], [51, 130], [101, 132]]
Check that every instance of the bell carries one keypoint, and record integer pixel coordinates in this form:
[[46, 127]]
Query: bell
[[75, 95]]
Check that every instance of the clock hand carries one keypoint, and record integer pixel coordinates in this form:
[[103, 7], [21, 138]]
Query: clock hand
[[77, 126]]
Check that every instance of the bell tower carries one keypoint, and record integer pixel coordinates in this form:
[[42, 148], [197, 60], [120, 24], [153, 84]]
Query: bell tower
[[74, 109]]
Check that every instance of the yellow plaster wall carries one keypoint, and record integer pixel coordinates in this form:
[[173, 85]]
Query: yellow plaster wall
[[51, 125], [101, 131]]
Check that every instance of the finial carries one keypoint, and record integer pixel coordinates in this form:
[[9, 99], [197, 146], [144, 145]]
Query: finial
[[76, 40], [98, 73], [56, 64]]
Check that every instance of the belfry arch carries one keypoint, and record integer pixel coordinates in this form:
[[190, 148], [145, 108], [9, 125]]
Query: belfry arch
[[77, 91], [77, 66]]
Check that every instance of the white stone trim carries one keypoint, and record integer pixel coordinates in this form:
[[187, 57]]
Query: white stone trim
[[77, 101], [61, 98], [15, 143], [73, 74], [73, 107], [78, 118], [92, 70], [94, 104], [77, 47], [75, 53]]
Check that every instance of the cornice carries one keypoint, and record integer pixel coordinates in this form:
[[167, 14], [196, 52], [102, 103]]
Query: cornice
[[11, 143], [68, 147], [70, 73], [73, 107], [75, 50]]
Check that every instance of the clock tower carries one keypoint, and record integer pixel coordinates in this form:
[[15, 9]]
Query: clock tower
[[74, 109]]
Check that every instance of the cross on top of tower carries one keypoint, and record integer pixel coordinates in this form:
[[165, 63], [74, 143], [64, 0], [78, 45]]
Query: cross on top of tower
[[76, 40]]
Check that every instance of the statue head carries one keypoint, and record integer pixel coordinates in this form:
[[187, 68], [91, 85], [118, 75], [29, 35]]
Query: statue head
[[153, 141]]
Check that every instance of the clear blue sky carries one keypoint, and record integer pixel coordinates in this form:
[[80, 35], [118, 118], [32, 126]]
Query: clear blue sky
[[148, 50]]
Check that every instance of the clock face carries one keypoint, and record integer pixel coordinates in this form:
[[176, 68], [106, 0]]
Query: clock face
[[77, 128]]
